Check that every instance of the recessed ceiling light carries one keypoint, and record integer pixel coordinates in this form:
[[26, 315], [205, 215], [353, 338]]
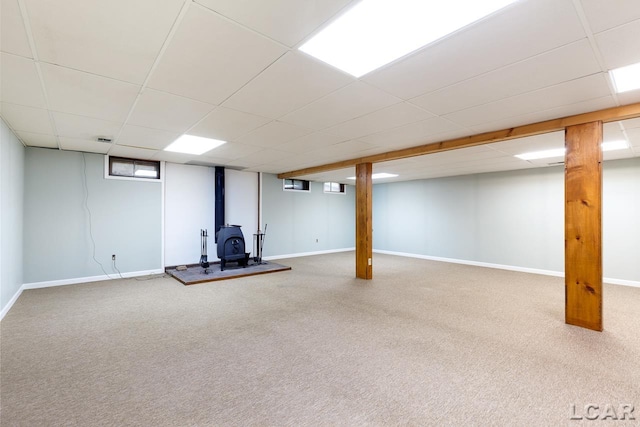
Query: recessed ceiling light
[[615, 145], [559, 152], [545, 154], [626, 78], [190, 144], [376, 32], [379, 175]]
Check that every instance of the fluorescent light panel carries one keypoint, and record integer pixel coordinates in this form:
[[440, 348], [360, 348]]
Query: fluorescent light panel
[[379, 175], [627, 78], [376, 32], [545, 154], [615, 145], [559, 152], [190, 144]]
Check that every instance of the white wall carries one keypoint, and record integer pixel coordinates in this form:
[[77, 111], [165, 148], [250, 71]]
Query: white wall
[[241, 202], [507, 218], [306, 222], [12, 161], [189, 207], [124, 218]]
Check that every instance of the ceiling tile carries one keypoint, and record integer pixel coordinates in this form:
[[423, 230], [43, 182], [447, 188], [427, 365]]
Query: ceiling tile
[[309, 143], [572, 92], [86, 94], [210, 58], [555, 67], [552, 113], [287, 21], [20, 83], [13, 36], [630, 97], [82, 127], [131, 152], [227, 124], [117, 38], [343, 150], [27, 119], [350, 102], [260, 157], [603, 15], [631, 123], [612, 132], [387, 118], [272, 134], [160, 110], [168, 156], [547, 141], [231, 151], [38, 139], [414, 133], [501, 39], [141, 137], [634, 138], [290, 83], [619, 46], [87, 146]]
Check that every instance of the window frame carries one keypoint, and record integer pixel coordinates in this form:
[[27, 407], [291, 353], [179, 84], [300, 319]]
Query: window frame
[[343, 188], [306, 184], [107, 169]]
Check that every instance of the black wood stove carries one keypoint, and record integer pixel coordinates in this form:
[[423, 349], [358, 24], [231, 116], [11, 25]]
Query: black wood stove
[[231, 246]]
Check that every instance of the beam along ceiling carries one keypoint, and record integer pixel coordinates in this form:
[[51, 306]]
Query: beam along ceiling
[[145, 72]]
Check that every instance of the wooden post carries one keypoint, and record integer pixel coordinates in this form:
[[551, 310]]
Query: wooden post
[[364, 230], [583, 225]]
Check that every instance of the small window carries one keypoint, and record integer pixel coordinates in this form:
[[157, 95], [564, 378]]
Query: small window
[[295, 185], [121, 167], [335, 187]]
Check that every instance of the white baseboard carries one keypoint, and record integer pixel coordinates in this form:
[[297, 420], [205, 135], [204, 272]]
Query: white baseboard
[[48, 284], [12, 301], [504, 267], [299, 254], [63, 282]]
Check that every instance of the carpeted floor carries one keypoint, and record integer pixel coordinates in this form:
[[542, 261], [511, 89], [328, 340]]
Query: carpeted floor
[[424, 343]]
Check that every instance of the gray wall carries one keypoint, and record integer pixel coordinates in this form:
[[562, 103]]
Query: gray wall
[[510, 218], [125, 217], [12, 154], [296, 219]]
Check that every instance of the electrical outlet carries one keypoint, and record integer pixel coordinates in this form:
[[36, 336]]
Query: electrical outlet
[[113, 257]]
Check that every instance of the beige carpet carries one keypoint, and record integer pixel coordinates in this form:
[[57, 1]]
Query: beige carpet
[[424, 343]]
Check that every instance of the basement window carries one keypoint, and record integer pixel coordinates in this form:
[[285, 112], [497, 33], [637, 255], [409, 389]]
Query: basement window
[[125, 168], [295, 185], [335, 188]]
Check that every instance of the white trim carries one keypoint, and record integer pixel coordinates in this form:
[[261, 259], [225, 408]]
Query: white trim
[[621, 282], [301, 254], [63, 282], [162, 213], [12, 301], [504, 267]]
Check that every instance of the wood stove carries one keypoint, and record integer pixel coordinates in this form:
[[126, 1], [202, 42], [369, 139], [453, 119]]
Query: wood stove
[[231, 246]]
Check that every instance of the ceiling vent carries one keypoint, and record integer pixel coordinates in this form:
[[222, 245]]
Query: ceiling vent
[[105, 139]]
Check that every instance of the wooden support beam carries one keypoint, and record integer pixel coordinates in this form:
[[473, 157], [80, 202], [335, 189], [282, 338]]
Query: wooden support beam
[[364, 225], [607, 115], [583, 225]]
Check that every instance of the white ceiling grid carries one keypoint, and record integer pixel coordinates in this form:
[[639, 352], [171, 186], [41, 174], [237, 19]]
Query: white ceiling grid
[[144, 72]]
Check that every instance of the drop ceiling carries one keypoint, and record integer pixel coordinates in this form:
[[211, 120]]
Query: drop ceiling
[[144, 72]]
